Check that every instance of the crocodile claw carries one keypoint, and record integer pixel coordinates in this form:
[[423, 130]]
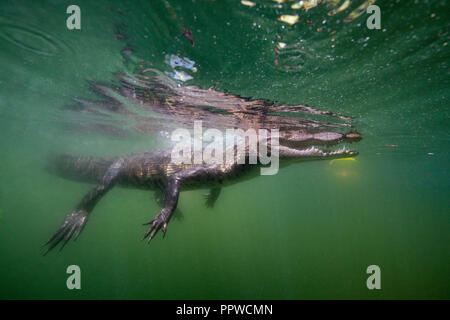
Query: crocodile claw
[[156, 224], [71, 227]]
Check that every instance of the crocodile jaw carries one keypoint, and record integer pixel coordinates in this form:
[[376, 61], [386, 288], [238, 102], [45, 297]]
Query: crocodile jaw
[[315, 153]]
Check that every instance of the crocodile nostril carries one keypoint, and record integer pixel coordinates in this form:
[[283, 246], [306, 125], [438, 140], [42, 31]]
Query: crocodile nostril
[[353, 136]]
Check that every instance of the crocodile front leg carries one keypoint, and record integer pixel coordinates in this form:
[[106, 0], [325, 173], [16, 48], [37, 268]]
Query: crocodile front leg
[[170, 203], [76, 220], [173, 190]]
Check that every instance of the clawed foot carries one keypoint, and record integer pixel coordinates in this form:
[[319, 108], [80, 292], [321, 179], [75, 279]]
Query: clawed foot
[[159, 222], [211, 197], [72, 226]]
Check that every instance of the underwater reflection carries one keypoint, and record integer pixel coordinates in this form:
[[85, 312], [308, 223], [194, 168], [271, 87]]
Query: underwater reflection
[[291, 55]]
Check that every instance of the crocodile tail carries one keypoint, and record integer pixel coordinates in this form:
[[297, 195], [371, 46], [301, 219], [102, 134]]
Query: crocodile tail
[[81, 168]]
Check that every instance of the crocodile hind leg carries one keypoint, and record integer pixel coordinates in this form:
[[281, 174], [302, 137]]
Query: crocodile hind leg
[[173, 190], [75, 221]]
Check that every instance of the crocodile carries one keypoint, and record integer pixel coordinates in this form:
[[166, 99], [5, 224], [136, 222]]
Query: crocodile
[[156, 104], [155, 170]]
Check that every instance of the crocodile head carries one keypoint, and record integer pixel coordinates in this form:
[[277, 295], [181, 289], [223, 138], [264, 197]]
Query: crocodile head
[[303, 139], [303, 144]]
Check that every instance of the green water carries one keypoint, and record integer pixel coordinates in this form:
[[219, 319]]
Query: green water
[[308, 232]]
